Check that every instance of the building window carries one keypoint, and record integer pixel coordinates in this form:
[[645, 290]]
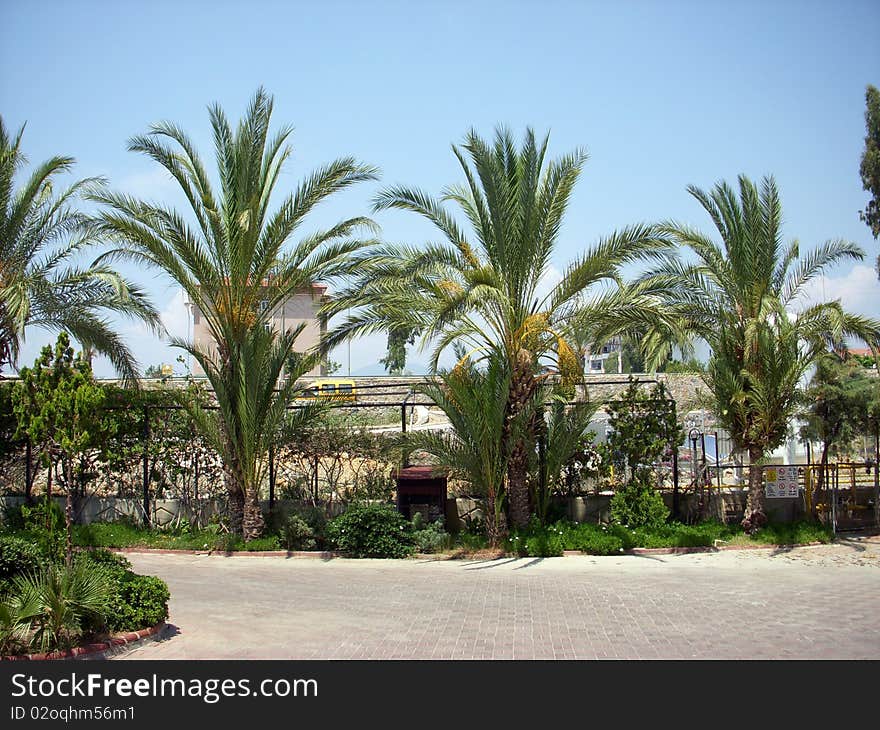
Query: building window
[[595, 365], [263, 306]]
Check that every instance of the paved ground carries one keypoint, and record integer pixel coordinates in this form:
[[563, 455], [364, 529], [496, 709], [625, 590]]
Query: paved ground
[[815, 602]]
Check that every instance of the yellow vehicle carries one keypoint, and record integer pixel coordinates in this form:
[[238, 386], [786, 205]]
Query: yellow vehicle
[[333, 388]]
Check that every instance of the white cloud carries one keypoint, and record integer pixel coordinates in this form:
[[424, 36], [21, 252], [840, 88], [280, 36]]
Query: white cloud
[[858, 290]]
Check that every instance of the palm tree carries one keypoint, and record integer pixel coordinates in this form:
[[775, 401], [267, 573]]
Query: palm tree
[[474, 401], [235, 255], [41, 233], [739, 297], [488, 291]]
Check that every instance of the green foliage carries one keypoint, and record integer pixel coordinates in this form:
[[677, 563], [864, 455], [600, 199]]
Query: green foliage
[[372, 531], [46, 523], [643, 428], [428, 538], [43, 285], [297, 534], [475, 402], [836, 398], [687, 366], [137, 602], [613, 539], [737, 297], [19, 555], [638, 504], [60, 602], [59, 408], [794, 533], [869, 167], [394, 361]]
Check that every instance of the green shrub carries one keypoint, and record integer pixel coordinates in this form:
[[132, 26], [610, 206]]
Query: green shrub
[[12, 517], [60, 604], [793, 533], [18, 555], [430, 538], [538, 541], [137, 602], [638, 505], [45, 520], [372, 531], [598, 539], [294, 533], [106, 558]]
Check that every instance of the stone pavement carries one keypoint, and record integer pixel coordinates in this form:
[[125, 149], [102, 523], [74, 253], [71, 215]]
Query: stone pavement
[[811, 602]]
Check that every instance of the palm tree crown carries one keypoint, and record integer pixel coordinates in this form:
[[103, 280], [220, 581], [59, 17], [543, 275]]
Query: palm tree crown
[[41, 233]]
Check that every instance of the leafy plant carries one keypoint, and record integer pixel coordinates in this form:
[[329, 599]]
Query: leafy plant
[[737, 296], [60, 601], [18, 555], [46, 522], [58, 406], [296, 534], [428, 538], [41, 284], [637, 504], [137, 602], [372, 531]]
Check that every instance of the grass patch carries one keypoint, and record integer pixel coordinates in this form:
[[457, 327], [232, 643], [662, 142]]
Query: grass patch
[[552, 540], [127, 535]]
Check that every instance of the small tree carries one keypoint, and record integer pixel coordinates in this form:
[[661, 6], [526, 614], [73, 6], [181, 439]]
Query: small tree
[[57, 404], [836, 398], [644, 427]]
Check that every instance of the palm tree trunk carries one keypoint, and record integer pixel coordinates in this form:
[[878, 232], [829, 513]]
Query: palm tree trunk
[[755, 517], [252, 523], [522, 389], [235, 494]]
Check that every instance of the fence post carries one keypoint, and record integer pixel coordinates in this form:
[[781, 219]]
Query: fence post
[[271, 477], [146, 484]]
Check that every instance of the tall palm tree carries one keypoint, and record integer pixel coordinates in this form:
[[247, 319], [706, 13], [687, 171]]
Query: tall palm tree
[[236, 254], [740, 297], [487, 290], [41, 285]]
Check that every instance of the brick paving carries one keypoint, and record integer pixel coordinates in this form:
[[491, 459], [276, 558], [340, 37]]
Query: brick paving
[[811, 602]]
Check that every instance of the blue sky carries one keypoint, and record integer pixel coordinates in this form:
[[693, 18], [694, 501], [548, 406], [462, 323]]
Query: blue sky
[[660, 94]]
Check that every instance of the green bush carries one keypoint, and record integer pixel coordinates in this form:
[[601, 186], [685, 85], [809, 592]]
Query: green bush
[[45, 520], [638, 505], [137, 602], [105, 558], [296, 534], [430, 538], [60, 603], [598, 539], [538, 541], [18, 555], [372, 531]]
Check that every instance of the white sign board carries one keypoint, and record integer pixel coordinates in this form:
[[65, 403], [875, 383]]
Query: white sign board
[[781, 481]]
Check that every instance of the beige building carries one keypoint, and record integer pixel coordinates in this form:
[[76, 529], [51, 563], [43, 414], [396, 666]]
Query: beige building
[[301, 308]]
